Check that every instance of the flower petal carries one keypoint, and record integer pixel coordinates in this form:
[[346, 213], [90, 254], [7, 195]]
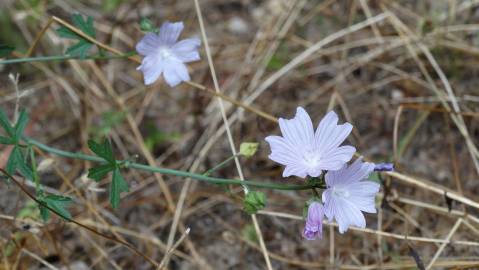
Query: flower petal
[[336, 158], [329, 134], [284, 153], [148, 44], [299, 130], [187, 50], [169, 32], [363, 195], [347, 214], [175, 73], [357, 171], [152, 68]]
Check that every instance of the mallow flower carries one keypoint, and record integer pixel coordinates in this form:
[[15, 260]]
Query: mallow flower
[[307, 152], [164, 55], [314, 221], [348, 193]]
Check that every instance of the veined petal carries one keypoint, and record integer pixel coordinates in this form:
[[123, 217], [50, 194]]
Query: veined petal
[[175, 73], [187, 50], [169, 32], [355, 172], [329, 134], [148, 44], [299, 130], [337, 157], [348, 214], [152, 68]]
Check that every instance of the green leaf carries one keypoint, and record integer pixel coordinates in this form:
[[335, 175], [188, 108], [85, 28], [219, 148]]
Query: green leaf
[[118, 185], [254, 201], [83, 45], [20, 125], [16, 161], [146, 25], [58, 204], [5, 123], [12, 162], [5, 50], [80, 49], [102, 150], [248, 149], [5, 140], [99, 172], [44, 213]]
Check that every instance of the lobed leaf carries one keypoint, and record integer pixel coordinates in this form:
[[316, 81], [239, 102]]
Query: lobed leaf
[[99, 172], [103, 150], [21, 125], [118, 185], [83, 45], [58, 204], [5, 123]]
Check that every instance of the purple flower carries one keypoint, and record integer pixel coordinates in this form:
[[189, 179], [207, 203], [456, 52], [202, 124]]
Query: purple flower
[[164, 55], [384, 167], [314, 221], [347, 195], [306, 152]]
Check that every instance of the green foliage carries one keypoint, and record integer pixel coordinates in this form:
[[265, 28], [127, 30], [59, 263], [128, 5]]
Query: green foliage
[[118, 183], [83, 45], [5, 50], [254, 201], [16, 160], [248, 149], [146, 25], [57, 203]]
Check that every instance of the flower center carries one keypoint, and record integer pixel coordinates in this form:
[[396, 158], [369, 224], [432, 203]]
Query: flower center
[[311, 158], [165, 53], [341, 192]]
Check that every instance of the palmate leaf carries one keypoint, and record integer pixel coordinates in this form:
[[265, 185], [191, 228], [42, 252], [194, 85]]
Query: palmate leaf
[[5, 123], [102, 150], [117, 186], [99, 172], [118, 183], [57, 203], [83, 45], [21, 125], [16, 161]]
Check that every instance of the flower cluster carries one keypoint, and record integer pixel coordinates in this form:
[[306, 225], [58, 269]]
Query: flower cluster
[[306, 152]]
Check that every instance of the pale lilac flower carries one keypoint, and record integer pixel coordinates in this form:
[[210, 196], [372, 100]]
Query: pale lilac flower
[[164, 55], [306, 152], [384, 167], [348, 193], [314, 221]]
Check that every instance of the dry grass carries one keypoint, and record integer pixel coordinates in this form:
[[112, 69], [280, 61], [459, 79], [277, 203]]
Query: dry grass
[[402, 72]]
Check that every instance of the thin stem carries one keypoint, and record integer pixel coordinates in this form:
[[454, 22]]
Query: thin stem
[[198, 177], [221, 165], [126, 244], [62, 57]]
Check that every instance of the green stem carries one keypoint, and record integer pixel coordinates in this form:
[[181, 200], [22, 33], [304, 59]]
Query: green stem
[[165, 171], [221, 165], [62, 57]]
